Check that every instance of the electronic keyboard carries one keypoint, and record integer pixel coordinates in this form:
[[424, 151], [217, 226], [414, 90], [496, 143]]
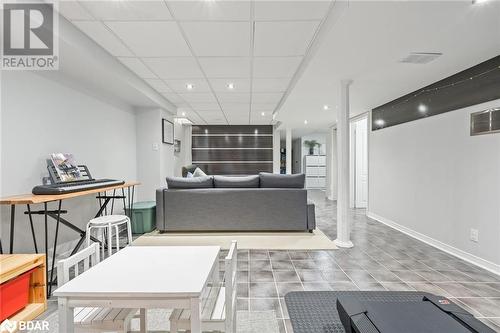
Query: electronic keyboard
[[75, 186]]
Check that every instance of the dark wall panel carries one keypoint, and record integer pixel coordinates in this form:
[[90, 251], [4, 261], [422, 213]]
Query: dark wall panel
[[233, 155], [232, 141], [236, 168], [474, 85], [233, 150]]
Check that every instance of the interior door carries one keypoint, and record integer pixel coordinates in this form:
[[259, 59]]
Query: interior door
[[361, 163]]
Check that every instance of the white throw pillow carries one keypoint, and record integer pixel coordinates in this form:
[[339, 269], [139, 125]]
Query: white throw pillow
[[189, 175], [198, 173]]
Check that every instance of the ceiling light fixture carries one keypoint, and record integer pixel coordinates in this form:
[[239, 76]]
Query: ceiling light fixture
[[326, 107], [478, 1], [380, 122], [305, 122], [262, 114], [189, 86], [422, 108], [183, 114], [230, 86]]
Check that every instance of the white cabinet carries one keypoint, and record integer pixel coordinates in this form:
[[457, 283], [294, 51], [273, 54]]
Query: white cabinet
[[315, 171]]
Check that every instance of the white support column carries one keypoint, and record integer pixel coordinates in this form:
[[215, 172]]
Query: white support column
[[343, 222], [288, 151], [276, 150]]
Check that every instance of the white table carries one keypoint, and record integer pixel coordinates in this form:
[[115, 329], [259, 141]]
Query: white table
[[144, 277]]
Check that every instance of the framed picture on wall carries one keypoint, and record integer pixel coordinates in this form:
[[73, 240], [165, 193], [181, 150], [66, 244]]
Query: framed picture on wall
[[167, 132]]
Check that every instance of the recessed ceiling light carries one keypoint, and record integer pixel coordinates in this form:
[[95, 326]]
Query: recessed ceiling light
[[262, 114], [183, 114], [326, 107], [380, 122], [478, 1], [189, 86], [422, 108], [305, 122], [230, 86]]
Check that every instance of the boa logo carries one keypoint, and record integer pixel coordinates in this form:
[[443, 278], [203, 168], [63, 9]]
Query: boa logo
[[11, 326]]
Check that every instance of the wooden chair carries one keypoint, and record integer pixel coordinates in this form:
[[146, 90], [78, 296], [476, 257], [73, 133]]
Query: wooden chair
[[219, 307], [89, 319]]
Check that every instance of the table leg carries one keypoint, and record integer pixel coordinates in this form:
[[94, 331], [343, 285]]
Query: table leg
[[195, 321], [32, 228], [66, 320], [54, 252], [46, 249], [12, 217]]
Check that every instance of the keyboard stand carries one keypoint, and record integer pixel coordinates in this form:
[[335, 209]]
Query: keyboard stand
[[55, 214]]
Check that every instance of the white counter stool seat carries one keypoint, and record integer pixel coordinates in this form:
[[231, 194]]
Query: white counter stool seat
[[110, 223]]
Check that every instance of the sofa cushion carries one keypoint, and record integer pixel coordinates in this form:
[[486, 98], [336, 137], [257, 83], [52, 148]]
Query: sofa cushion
[[240, 182], [271, 180], [195, 182], [199, 173]]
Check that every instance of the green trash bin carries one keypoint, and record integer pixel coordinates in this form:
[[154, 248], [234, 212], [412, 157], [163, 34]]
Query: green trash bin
[[143, 217]]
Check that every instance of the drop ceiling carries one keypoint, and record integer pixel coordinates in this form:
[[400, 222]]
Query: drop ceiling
[[258, 46]]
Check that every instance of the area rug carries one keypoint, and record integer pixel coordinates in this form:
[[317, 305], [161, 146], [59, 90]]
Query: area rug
[[246, 322], [246, 240]]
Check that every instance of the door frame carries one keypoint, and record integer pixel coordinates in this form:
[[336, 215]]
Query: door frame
[[352, 158]]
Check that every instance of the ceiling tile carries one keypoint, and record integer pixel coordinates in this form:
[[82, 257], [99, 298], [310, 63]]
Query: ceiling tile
[[210, 10], [174, 98], [269, 85], [238, 119], [218, 38], [102, 36], [158, 84], [266, 98], [266, 107], [290, 10], [236, 108], [151, 39], [199, 98], [202, 107], [136, 66], [194, 117], [264, 67], [240, 85], [72, 10], [233, 97], [226, 67], [128, 10], [174, 68], [179, 86], [213, 117], [283, 38]]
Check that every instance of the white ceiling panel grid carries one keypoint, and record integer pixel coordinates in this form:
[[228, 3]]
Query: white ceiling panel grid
[[128, 10], [239, 56], [151, 38]]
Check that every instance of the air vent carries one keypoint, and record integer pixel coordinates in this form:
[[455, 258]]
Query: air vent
[[420, 57], [485, 122]]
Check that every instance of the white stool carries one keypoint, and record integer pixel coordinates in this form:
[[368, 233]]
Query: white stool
[[110, 222]]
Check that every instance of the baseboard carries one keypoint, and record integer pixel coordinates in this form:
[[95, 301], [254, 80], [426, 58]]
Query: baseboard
[[475, 260]]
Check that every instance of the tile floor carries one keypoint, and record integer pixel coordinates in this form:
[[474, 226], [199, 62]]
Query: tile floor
[[382, 259]]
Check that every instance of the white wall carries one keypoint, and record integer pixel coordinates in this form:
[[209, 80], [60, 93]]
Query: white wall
[[431, 177], [40, 116]]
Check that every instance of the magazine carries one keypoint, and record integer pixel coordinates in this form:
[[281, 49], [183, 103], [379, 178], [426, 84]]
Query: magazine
[[66, 167]]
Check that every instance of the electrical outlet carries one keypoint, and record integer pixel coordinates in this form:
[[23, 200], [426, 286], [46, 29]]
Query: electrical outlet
[[155, 147], [474, 235]]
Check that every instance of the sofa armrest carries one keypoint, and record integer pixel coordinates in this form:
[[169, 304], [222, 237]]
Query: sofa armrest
[[311, 217], [160, 208]]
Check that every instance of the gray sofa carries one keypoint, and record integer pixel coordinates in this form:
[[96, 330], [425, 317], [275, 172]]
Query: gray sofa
[[264, 202]]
